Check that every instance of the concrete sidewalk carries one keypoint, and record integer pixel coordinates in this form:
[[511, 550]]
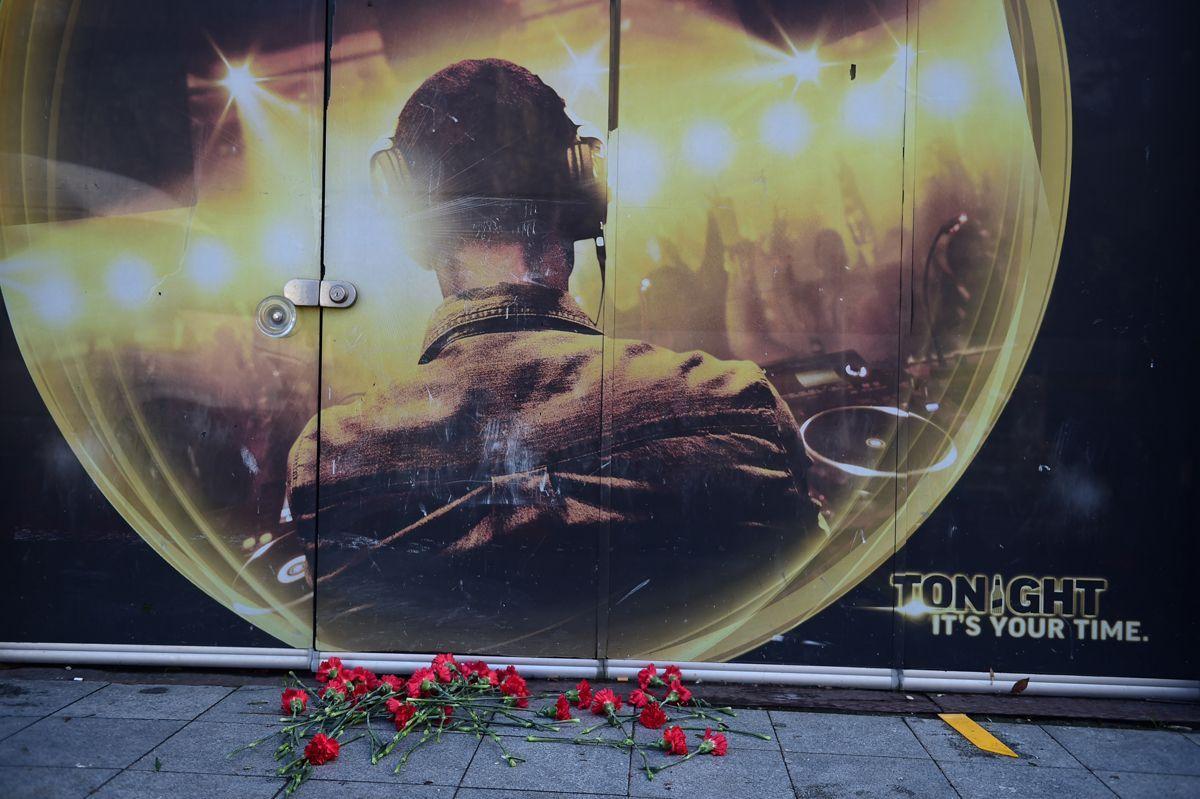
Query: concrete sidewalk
[[65, 739]]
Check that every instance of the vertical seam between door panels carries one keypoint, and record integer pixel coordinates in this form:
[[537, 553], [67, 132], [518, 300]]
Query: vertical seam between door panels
[[908, 191], [327, 90], [607, 358]]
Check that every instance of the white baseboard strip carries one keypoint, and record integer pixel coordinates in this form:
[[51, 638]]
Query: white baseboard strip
[[924, 680]]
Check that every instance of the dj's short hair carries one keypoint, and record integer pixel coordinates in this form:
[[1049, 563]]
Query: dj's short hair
[[486, 128]]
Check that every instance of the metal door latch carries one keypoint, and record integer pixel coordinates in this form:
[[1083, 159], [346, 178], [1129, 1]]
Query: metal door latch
[[325, 293]]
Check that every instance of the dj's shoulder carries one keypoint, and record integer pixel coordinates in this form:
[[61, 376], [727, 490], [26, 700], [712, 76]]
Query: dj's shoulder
[[644, 368]]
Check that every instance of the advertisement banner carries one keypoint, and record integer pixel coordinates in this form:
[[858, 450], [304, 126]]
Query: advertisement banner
[[704, 331]]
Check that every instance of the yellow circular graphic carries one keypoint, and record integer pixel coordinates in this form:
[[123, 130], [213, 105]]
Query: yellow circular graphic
[[872, 212]]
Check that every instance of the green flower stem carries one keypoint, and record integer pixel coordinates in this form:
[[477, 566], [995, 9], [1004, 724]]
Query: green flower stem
[[404, 757], [684, 759], [760, 736], [646, 764], [625, 744]]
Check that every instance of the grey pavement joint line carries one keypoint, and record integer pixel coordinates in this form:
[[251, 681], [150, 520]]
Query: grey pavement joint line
[[144, 754], [1075, 757], [98, 687], [228, 692], [1063, 734], [941, 770], [148, 751], [779, 745], [471, 760]]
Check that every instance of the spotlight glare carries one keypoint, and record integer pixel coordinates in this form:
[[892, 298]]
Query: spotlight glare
[[897, 72], [654, 249], [288, 247], [208, 264], [914, 609], [55, 299], [586, 72], [130, 281], [240, 82], [639, 170], [804, 65], [709, 147], [944, 89], [785, 128], [873, 110]]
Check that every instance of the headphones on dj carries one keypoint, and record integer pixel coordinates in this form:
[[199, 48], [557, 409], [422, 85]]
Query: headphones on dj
[[584, 202]]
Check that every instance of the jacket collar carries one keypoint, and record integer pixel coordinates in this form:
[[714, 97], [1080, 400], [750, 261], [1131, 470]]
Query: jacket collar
[[503, 307]]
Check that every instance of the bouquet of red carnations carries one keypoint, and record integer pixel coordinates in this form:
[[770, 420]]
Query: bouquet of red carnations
[[471, 698]]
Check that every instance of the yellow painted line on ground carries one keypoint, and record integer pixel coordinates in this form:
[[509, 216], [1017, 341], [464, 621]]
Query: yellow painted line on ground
[[976, 734]]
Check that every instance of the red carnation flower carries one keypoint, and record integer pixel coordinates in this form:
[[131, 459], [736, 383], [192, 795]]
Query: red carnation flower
[[605, 702], [294, 701], [674, 741], [652, 716], [394, 683], [713, 742], [360, 675], [679, 693], [672, 673], [321, 749], [329, 669], [402, 712], [648, 677], [482, 672], [582, 695], [562, 708], [514, 685], [638, 698], [335, 691], [421, 683]]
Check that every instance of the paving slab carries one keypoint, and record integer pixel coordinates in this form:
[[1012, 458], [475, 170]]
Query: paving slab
[[436, 763], [973, 779], [41, 697], [565, 768], [486, 793], [827, 776], [331, 789], [750, 774], [171, 785], [28, 782], [568, 729], [1153, 751], [184, 702], [85, 743], [249, 704], [846, 734], [1131, 785], [748, 720], [205, 748], [1194, 737], [1033, 745], [11, 724]]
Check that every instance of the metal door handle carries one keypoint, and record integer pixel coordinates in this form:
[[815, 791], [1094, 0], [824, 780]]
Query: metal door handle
[[325, 293], [276, 315]]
